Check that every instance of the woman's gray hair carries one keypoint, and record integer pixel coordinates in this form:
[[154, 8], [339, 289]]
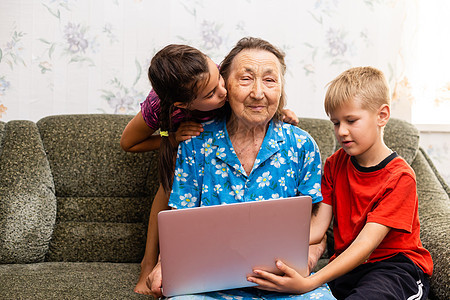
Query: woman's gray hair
[[247, 43]]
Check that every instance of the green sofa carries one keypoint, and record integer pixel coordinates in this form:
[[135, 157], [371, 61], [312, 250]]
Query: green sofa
[[74, 206]]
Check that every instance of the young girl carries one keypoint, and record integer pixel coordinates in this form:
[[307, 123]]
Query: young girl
[[187, 89]]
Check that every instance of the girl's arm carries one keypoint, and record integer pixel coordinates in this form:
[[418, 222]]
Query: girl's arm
[[357, 253], [320, 220], [290, 117], [138, 136]]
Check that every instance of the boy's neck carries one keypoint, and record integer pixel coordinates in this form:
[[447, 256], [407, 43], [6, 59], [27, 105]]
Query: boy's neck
[[374, 157]]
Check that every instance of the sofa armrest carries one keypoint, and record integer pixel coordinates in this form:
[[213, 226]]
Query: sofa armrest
[[434, 214], [27, 199]]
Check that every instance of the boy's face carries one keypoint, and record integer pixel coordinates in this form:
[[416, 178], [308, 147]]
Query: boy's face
[[359, 131]]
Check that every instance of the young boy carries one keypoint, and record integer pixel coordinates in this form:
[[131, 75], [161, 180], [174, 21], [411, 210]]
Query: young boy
[[371, 192]]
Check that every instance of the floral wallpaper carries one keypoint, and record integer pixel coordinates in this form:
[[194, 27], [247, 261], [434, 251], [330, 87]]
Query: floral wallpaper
[[81, 56], [76, 56]]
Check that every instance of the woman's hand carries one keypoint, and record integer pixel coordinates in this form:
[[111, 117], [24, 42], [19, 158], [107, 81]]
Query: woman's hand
[[186, 131], [291, 282], [315, 253], [290, 117], [154, 281]]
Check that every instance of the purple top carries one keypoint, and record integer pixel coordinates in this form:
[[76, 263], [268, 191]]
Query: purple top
[[151, 107]]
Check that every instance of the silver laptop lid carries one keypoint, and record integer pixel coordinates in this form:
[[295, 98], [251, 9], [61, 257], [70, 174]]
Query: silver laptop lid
[[214, 248]]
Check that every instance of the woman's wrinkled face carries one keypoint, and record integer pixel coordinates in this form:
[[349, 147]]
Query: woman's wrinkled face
[[254, 87]]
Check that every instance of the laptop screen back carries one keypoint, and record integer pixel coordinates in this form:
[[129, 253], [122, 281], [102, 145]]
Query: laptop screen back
[[214, 248]]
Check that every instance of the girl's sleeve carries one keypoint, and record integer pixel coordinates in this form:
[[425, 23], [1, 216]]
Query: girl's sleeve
[[185, 189], [310, 168], [150, 109]]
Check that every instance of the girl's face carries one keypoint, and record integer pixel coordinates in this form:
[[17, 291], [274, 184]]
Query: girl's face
[[213, 95]]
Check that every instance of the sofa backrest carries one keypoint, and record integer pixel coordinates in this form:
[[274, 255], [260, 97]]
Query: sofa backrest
[[27, 199], [103, 193]]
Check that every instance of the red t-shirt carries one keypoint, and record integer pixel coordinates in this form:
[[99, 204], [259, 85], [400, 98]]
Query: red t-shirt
[[385, 194]]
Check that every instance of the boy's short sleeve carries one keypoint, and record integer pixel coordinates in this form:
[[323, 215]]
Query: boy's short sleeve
[[398, 205]]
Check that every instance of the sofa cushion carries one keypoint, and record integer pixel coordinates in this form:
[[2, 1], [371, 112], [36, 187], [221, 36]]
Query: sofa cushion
[[100, 229], [69, 281], [27, 200]]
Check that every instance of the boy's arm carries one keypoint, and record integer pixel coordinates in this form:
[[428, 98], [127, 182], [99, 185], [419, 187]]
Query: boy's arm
[[357, 253], [138, 136], [320, 220]]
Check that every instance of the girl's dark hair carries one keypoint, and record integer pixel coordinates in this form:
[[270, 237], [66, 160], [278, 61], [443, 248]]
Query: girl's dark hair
[[177, 73], [248, 43]]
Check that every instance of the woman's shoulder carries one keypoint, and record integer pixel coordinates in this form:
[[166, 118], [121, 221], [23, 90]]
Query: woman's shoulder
[[294, 132], [211, 129]]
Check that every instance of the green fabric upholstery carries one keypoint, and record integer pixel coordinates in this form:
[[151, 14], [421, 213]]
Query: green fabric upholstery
[[27, 199], [86, 158], [104, 194], [74, 206], [46, 281], [434, 207]]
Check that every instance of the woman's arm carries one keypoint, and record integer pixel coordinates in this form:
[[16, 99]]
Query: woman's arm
[[320, 220], [357, 253]]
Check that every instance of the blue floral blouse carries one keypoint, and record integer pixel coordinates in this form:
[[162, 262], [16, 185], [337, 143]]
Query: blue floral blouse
[[208, 171]]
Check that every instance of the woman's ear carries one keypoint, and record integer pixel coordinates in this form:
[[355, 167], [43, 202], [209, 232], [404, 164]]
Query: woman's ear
[[180, 105], [384, 113]]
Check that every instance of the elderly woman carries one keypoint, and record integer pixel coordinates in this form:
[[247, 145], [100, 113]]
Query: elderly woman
[[250, 154]]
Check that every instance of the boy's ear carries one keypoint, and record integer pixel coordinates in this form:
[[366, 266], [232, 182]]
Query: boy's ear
[[180, 105], [384, 113]]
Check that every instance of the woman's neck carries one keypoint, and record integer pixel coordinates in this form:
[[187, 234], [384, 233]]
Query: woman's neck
[[246, 142], [239, 129]]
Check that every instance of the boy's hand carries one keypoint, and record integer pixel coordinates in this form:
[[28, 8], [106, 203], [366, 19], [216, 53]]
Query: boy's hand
[[291, 282], [186, 131], [290, 117]]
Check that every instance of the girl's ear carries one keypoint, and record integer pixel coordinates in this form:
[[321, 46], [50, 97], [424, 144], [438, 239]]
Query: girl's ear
[[180, 105], [384, 113]]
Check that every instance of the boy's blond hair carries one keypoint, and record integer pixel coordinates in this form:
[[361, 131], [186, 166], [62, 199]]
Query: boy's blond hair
[[366, 84]]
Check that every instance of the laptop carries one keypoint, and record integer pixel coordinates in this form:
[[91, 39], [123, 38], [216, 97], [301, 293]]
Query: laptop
[[215, 248]]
